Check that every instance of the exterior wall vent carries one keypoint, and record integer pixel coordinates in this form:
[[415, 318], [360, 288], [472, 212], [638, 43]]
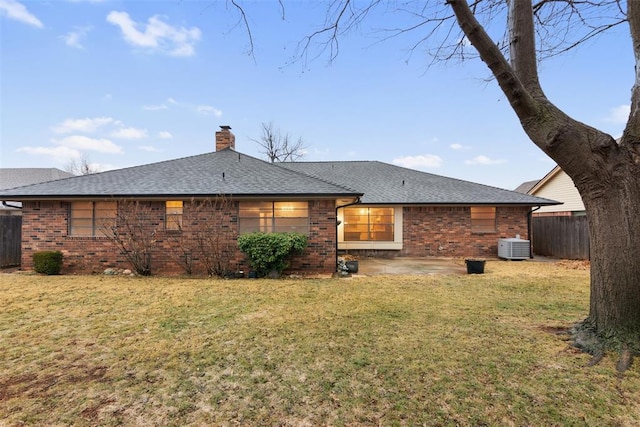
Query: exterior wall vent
[[513, 249]]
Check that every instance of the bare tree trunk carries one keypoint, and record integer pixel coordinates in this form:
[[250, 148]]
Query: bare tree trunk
[[606, 173], [614, 224]]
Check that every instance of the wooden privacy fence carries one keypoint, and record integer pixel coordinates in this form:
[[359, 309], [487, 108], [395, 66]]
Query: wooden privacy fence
[[10, 240], [565, 237]]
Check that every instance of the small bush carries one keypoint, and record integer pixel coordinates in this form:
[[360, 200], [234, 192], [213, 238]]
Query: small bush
[[47, 262], [271, 251]]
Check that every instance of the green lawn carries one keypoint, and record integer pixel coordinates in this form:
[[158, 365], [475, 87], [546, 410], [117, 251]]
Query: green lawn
[[464, 350]]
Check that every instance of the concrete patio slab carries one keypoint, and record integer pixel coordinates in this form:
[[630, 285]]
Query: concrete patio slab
[[402, 265]]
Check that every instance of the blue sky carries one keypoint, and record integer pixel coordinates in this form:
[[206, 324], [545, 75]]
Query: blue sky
[[127, 83]]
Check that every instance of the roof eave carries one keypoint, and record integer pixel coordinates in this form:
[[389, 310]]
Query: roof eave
[[179, 196]]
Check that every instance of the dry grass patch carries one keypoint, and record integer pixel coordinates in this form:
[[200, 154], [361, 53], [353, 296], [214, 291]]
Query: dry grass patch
[[396, 350]]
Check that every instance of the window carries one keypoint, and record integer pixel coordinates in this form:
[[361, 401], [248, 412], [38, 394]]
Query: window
[[173, 215], [368, 224], [274, 217], [483, 219], [91, 218]]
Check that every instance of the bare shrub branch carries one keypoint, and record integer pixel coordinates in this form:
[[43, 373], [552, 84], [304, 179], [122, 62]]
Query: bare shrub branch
[[134, 233], [206, 236]]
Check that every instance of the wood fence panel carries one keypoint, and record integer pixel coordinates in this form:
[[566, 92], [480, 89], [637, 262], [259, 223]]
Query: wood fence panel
[[10, 240], [565, 237]]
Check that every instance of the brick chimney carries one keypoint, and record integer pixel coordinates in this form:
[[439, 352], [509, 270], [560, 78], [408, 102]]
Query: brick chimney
[[225, 139]]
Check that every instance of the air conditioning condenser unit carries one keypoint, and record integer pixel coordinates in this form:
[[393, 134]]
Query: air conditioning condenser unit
[[513, 248]]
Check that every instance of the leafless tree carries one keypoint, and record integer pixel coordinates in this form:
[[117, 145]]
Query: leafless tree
[[81, 166], [511, 37], [134, 233], [278, 146]]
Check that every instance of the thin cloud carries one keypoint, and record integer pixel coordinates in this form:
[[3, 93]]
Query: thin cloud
[[16, 11], [149, 148], [459, 147], [619, 115], [84, 143], [157, 107], [129, 133], [484, 160], [73, 38], [208, 110], [203, 109], [87, 125], [60, 154], [419, 162], [164, 135], [156, 35]]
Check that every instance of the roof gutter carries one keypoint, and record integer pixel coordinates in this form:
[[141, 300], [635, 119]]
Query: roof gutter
[[7, 205], [357, 201], [530, 230]]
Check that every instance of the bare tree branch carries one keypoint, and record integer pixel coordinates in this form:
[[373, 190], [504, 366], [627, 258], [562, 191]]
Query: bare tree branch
[[517, 94], [522, 44], [81, 166], [247, 27], [279, 147]]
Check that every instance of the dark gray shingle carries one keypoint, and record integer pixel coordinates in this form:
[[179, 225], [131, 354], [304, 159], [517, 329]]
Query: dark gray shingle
[[17, 177], [383, 183], [224, 172]]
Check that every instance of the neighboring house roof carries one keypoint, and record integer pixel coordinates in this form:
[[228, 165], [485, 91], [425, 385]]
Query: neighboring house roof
[[526, 186], [559, 186], [222, 172], [17, 177], [548, 177], [383, 183]]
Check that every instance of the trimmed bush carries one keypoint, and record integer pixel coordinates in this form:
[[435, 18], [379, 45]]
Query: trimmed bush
[[47, 262], [269, 252]]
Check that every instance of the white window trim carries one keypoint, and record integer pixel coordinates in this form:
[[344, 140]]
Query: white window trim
[[397, 232]]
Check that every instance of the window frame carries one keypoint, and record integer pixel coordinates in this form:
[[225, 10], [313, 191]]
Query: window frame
[[95, 220], [484, 215], [270, 217], [369, 224], [173, 219]]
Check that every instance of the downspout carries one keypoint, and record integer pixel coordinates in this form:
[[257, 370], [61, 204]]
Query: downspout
[[337, 224], [7, 205], [530, 230]]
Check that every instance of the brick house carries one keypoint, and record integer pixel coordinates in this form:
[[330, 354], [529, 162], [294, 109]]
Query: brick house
[[364, 207]]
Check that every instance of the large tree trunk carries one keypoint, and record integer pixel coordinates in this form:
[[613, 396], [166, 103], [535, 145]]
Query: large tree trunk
[[614, 228], [606, 173]]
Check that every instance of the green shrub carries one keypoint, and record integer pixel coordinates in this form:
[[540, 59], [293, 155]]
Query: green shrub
[[271, 251], [47, 262]]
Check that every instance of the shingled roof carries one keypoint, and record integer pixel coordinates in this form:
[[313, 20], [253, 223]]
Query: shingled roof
[[383, 183], [222, 172], [17, 177], [234, 174]]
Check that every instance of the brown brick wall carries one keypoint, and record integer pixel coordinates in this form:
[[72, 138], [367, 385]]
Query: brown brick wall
[[320, 255], [45, 227], [428, 232], [432, 231]]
